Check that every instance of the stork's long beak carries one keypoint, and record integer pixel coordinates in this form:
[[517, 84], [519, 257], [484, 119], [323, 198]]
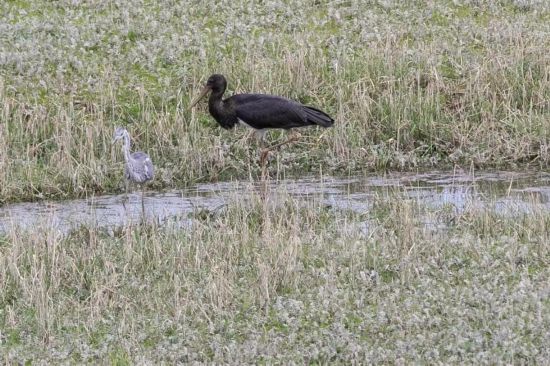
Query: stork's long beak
[[203, 92]]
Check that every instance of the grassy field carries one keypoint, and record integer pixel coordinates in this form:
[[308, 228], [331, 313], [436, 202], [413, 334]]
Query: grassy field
[[284, 281], [411, 84]]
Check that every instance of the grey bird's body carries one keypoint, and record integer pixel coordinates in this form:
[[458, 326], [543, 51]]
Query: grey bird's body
[[139, 167]]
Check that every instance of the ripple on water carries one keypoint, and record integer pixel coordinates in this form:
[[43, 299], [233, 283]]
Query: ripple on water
[[507, 193]]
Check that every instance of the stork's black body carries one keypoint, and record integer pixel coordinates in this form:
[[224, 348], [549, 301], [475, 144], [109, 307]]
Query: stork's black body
[[263, 111], [259, 111]]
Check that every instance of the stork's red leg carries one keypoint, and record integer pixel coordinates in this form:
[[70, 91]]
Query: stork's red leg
[[265, 151]]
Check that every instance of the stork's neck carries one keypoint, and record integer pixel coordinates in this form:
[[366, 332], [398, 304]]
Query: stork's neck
[[126, 147], [215, 102]]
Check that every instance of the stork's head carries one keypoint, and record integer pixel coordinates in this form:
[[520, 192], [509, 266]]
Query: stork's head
[[120, 133], [215, 83]]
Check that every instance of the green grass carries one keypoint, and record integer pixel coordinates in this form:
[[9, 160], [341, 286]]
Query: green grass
[[283, 281], [410, 86]]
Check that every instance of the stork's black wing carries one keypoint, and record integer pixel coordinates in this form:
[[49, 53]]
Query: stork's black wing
[[269, 111]]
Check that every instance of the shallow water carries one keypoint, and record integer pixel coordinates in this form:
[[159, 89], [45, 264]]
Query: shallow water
[[508, 193]]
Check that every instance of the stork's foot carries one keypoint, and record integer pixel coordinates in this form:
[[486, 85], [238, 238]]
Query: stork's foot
[[294, 136], [265, 151], [290, 140]]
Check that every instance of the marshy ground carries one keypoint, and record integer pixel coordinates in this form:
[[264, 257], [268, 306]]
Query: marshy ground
[[343, 266], [399, 268]]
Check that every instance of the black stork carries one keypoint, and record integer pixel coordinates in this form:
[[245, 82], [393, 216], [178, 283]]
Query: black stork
[[259, 111]]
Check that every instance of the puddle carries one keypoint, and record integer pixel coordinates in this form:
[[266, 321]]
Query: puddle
[[508, 193]]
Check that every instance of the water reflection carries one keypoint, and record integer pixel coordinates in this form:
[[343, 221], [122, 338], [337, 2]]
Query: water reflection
[[507, 193]]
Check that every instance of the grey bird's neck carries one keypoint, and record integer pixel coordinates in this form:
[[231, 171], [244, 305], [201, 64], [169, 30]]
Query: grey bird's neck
[[126, 147]]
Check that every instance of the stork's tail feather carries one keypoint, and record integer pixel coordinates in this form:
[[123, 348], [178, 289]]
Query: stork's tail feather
[[318, 117]]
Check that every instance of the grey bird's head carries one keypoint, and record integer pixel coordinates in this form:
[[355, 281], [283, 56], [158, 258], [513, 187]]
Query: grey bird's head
[[120, 133]]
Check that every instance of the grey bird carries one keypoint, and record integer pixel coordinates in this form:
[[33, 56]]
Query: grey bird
[[139, 167]]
